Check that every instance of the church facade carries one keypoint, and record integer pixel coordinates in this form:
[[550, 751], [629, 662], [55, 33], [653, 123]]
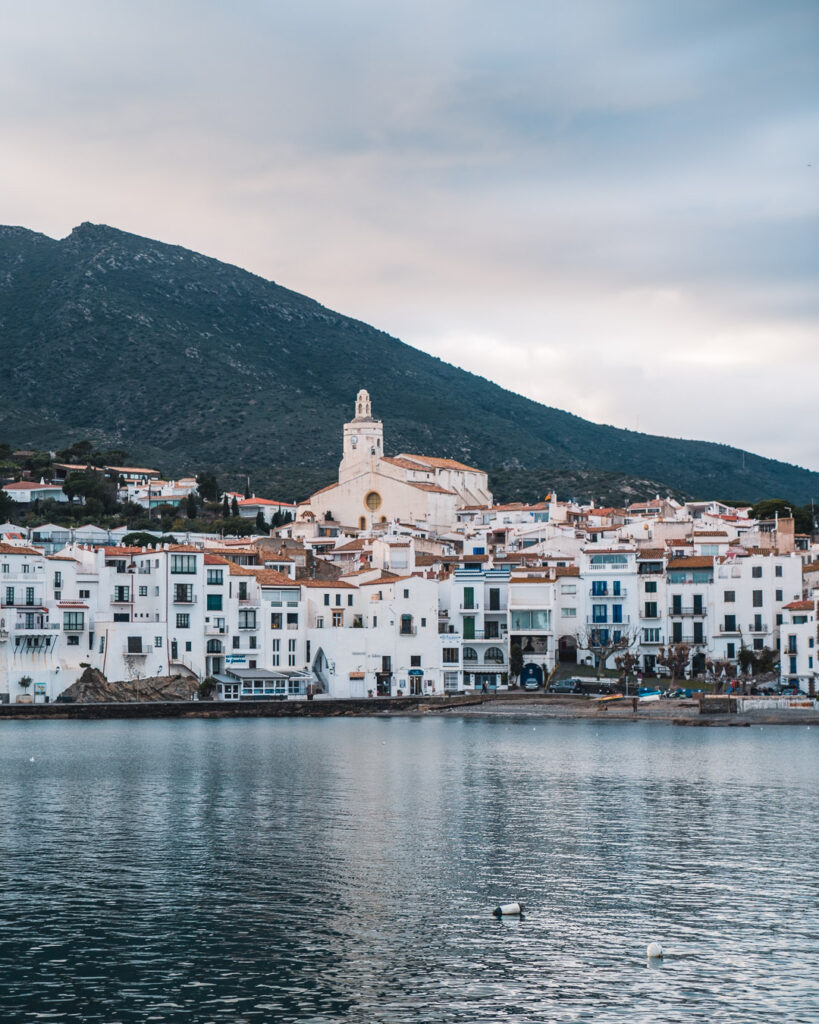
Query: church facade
[[375, 488]]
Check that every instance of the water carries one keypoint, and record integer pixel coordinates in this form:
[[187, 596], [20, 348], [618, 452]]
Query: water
[[345, 869]]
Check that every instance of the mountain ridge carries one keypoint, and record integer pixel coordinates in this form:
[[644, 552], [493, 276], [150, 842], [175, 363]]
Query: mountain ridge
[[195, 363]]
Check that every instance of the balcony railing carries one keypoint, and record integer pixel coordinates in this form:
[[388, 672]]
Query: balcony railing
[[648, 643], [687, 610], [127, 652], [608, 622], [608, 593], [120, 600], [761, 628], [730, 629], [181, 599], [694, 641]]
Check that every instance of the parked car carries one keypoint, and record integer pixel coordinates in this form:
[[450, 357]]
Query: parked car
[[566, 686], [531, 684]]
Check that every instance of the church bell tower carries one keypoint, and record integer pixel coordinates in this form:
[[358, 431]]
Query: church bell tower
[[363, 439]]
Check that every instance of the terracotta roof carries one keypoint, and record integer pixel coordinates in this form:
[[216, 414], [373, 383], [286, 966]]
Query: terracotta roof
[[71, 604], [263, 501], [216, 560], [327, 584], [12, 549], [811, 567], [692, 562], [29, 485], [353, 545], [329, 487], [436, 463], [651, 554], [709, 533], [385, 579], [567, 570], [432, 488], [115, 550], [799, 606], [61, 558], [273, 578], [241, 570]]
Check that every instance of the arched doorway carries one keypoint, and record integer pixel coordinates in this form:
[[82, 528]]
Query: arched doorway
[[567, 650]]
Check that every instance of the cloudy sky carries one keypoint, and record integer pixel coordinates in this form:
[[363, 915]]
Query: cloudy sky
[[611, 207]]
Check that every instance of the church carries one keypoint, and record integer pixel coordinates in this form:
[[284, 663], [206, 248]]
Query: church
[[375, 488]]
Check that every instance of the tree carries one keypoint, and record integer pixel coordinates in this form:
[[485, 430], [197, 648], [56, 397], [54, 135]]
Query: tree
[[261, 522], [234, 507], [190, 506], [208, 487], [602, 641], [225, 508], [247, 487], [626, 663], [675, 658], [515, 661]]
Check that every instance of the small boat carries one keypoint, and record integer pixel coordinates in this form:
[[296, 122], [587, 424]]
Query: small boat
[[645, 695], [608, 699]]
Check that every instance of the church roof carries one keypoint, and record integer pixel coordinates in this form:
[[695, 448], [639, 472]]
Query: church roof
[[436, 463], [432, 488]]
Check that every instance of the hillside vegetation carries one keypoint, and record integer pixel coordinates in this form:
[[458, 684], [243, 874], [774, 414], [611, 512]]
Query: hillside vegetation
[[194, 364]]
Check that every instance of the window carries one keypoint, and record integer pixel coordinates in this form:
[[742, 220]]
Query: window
[[568, 588], [469, 597], [415, 660], [73, 641], [122, 594], [650, 610], [599, 613], [756, 572], [759, 643], [493, 656], [537, 619], [338, 600], [291, 653], [778, 595], [135, 645], [85, 594], [450, 655], [188, 645], [676, 628], [375, 621], [58, 580], [731, 650], [143, 591], [569, 613], [349, 600], [651, 636], [247, 618], [275, 620], [214, 602], [243, 590], [253, 642], [122, 617], [183, 620], [183, 593], [423, 623], [158, 641], [757, 601], [319, 622], [651, 586], [470, 654], [778, 570], [74, 621], [9, 595], [183, 564], [338, 619], [327, 599], [236, 642], [215, 577], [276, 648], [729, 596], [406, 625], [730, 624]]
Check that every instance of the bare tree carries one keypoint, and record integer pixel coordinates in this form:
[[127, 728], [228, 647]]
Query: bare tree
[[627, 664], [600, 641], [675, 658]]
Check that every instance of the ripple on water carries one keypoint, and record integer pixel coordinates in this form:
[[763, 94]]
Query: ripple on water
[[346, 870]]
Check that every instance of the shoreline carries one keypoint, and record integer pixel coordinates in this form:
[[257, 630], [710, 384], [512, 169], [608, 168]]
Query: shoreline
[[683, 712]]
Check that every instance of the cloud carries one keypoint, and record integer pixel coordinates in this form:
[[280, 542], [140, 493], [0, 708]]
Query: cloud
[[609, 208]]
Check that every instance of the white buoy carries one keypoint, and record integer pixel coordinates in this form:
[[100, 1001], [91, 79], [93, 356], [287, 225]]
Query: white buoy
[[654, 951], [31, 759], [508, 910]]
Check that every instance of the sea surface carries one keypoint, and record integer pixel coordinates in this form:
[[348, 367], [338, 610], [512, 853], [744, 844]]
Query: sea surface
[[346, 870]]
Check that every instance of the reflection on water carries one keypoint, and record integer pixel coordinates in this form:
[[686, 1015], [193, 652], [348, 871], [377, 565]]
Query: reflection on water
[[347, 869]]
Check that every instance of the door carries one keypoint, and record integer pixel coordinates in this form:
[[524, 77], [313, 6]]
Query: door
[[469, 627]]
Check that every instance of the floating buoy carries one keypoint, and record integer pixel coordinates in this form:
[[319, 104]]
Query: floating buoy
[[508, 910], [654, 951], [31, 759]]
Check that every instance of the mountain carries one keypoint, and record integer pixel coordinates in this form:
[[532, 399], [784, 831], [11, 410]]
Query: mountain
[[190, 363]]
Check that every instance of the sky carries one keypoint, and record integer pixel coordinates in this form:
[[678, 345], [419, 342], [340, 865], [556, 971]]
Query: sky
[[610, 207]]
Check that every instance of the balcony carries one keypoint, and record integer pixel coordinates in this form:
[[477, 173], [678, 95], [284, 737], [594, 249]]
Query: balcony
[[728, 629], [249, 625], [761, 627], [40, 624], [180, 599], [215, 630], [469, 607], [141, 653], [608, 593], [652, 643], [694, 641], [626, 619], [697, 612], [120, 600]]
